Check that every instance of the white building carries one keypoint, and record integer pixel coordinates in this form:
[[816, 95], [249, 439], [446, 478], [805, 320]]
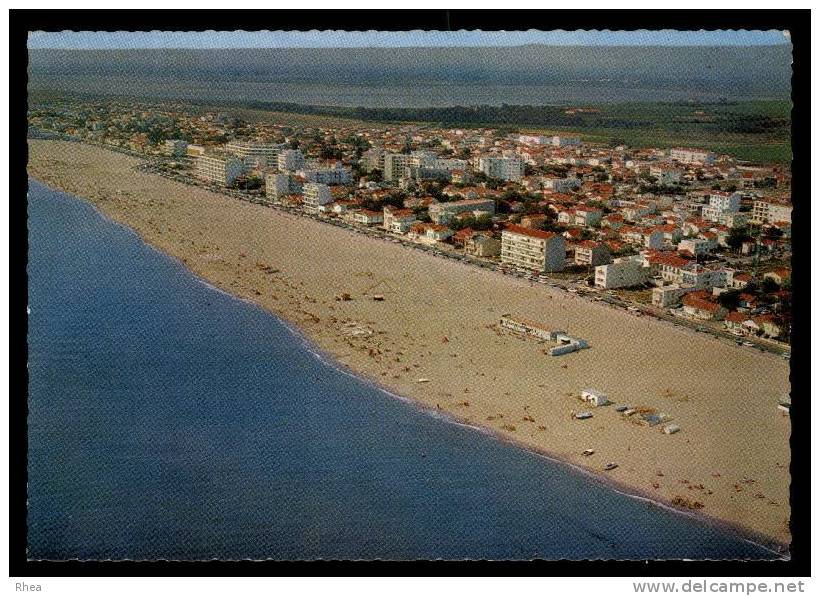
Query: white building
[[330, 176], [315, 196], [534, 140], [692, 156], [290, 160], [277, 185], [666, 296], [247, 149], [559, 141], [534, 250], [398, 220], [771, 212], [665, 174], [504, 168], [561, 184], [622, 273], [696, 246], [221, 169]]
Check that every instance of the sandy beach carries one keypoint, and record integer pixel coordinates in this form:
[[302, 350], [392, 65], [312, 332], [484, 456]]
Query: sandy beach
[[439, 321]]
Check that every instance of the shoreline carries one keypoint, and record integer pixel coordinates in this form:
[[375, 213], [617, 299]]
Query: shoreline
[[343, 364], [778, 549]]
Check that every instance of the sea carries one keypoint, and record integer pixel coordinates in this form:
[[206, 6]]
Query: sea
[[170, 420]]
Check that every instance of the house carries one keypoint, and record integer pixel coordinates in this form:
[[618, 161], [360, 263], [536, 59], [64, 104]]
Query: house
[[613, 221], [695, 247], [367, 217], [698, 305], [588, 252], [480, 244], [779, 276], [740, 281], [429, 233], [668, 296], [734, 322], [398, 220], [771, 325]]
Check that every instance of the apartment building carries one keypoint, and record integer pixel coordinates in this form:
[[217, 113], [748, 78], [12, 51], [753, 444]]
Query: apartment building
[[504, 168], [290, 160], [692, 156], [591, 253], [624, 272], [330, 176], [221, 169], [771, 212], [395, 164], [267, 153], [277, 185], [534, 250], [315, 196]]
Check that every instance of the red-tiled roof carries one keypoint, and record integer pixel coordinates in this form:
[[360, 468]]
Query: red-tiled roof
[[735, 317]]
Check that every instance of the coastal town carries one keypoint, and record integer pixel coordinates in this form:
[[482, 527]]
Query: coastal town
[[685, 234]]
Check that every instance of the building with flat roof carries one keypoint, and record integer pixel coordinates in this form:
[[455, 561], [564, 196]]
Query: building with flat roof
[[247, 149], [622, 273], [534, 250], [771, 212], [504, 168], [290, 160], [277, 185], [692, 156], [315, 196], [221, 169]]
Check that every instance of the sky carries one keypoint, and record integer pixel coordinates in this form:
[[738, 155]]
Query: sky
[[353, 39]]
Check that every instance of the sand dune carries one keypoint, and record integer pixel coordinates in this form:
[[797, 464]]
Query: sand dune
[[439, 322]]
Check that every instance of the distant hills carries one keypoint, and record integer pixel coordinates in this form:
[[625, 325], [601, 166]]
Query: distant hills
[[732, 72]]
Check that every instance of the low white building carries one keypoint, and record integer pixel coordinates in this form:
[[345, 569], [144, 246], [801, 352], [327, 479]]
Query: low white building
[[668, 296]]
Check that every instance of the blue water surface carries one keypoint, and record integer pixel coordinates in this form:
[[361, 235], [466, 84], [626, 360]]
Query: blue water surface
[[169, 420]]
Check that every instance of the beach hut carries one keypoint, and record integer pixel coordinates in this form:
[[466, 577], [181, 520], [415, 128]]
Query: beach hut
[[593, 397], [671, 429]]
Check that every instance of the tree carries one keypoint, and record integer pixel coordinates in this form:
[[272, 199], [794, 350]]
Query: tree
[[768, 285], [729, 299], [736, 237]]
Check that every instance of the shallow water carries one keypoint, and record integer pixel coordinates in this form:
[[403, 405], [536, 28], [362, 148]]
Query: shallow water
[[171, 420]]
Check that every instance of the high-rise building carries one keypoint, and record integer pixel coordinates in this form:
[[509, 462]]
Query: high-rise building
[[222, 169], [315, 195]]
